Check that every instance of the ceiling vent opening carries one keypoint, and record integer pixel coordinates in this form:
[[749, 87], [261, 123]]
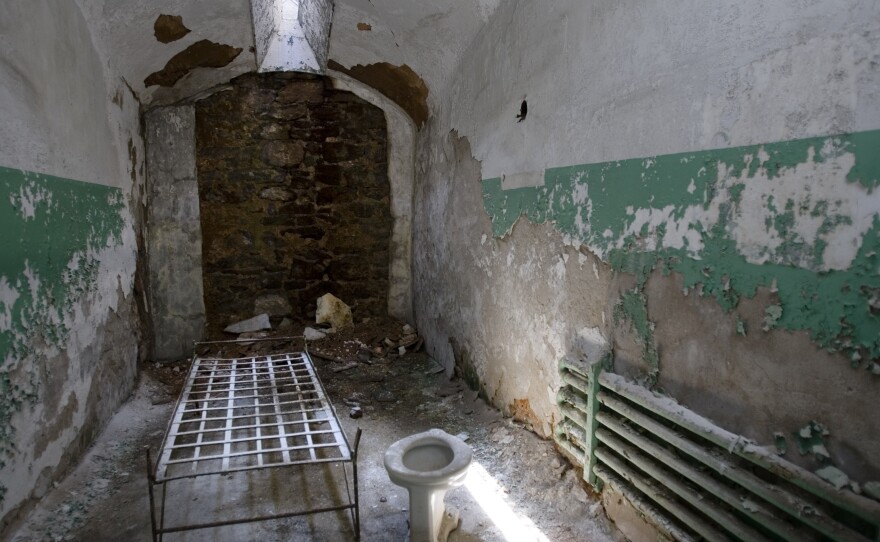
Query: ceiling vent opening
[[292, 35]]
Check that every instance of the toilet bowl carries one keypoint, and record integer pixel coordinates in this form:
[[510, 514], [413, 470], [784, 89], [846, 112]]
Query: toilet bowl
[[428, 465]]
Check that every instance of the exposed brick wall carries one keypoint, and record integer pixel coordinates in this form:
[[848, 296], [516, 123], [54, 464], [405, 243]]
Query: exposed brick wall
[[294, 198]]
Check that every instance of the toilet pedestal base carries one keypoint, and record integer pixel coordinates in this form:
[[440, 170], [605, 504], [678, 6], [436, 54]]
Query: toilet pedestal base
[[426, 510]]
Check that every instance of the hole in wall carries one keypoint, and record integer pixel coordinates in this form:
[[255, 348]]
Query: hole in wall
[[523, 111]]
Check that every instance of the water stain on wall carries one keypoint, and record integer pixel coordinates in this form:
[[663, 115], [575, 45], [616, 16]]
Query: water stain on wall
[[398, 83], [201, 54]]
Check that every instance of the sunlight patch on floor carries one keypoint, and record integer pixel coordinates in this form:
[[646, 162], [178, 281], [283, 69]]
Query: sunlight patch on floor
[[488, 493]]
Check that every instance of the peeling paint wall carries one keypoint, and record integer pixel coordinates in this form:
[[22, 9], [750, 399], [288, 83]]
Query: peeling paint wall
[[801, 217], [694, 189], [503, 310], [71, 181], [126, 29], [201, 54]]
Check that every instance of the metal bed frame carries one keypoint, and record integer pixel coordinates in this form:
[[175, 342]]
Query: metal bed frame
[[250, 413]]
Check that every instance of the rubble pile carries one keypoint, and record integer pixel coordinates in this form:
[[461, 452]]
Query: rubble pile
[[364, 343]]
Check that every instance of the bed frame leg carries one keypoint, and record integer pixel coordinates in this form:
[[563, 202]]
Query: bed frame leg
[[150, 483], [357, 509]]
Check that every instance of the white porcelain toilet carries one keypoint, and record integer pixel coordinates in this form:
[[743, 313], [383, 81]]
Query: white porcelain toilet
[[428, 465]]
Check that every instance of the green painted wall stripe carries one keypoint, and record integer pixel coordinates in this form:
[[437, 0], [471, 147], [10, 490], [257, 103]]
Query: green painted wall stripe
[[50, 227], [699, 200], [615, 185]]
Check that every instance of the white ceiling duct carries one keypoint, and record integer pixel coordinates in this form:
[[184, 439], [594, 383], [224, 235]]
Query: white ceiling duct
[[292, 35]]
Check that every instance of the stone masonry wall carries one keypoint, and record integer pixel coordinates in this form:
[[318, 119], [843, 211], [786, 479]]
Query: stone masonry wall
[[294, 197]]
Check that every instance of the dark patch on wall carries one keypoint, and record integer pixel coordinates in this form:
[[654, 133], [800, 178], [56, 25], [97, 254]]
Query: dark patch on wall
[[465, 368], [201, 54], [399, 83], [168, 28], [364, 27], [140, 275], [55, 424], [294, 199]]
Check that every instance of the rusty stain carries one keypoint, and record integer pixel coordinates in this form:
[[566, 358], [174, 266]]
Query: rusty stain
[[201, 54], [364, 27], [399, 83], [522, 411], [168, 28]]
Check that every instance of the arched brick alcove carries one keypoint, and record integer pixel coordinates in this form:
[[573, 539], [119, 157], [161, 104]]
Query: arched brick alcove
[[294, 199]]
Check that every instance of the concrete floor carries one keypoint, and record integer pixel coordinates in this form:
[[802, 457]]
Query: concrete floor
[[519, 488]]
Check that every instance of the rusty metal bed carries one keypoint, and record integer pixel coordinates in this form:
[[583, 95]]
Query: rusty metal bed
[[246, 414]]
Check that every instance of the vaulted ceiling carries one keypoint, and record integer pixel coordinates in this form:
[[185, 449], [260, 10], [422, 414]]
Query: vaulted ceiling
[[168, 50]]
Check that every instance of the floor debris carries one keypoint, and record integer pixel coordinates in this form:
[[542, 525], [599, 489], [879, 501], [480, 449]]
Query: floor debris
[[396, 396]]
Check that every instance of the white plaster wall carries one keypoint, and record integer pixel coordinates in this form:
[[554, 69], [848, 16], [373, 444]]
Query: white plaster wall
[[40, 131], [66, 113], [607, 81], [630, 79], [125, 29]]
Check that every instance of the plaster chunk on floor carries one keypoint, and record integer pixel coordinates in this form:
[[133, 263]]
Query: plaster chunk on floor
[[312, 334], [257, 323], [333, 311]]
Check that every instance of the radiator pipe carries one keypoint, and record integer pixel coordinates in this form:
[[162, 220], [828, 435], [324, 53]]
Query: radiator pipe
[[785, 501], [643, 506], [660, 496], [695, 498], [668, 408], [757, 511]]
